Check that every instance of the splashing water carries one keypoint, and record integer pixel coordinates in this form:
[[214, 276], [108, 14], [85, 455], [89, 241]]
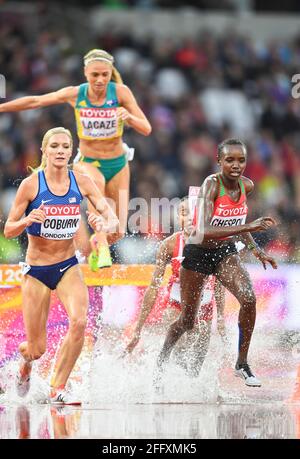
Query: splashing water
[[114, 379], [105, 376], [129, 379]]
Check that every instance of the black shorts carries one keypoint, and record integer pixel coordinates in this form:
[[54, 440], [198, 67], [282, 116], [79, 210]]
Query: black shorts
[[206, 260]]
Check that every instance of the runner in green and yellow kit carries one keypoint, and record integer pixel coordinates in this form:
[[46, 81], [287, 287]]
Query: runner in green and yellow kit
[[102, 106]]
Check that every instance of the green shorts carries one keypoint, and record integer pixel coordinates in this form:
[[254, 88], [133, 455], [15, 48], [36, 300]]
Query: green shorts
[[108, 167]]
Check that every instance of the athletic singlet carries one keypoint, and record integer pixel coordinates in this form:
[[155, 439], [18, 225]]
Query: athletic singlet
[[98, 122], [63, 212], [228, 212]]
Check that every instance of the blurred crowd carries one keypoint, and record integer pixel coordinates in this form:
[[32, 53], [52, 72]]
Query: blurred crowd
[[196, 92]]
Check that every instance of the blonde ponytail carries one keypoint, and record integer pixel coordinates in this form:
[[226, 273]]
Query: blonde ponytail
[[47, 136], [115, 76]]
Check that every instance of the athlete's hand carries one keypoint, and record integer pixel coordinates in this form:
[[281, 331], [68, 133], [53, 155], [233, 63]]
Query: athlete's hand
[[133, 342], [36, 216], [99, 223], [123, 114], [95, 221], [262, 224], [264, 258]]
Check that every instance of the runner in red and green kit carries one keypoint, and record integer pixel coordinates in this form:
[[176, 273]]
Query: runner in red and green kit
[[211, 249], [168, 301]]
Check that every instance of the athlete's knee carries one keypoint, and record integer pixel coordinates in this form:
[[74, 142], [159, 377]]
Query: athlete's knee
[[33, 350], [77, 327]]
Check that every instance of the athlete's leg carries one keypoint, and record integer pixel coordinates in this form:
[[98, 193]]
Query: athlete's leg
[[35, 306], [232, 274], [74, 295], [191, 284], [117, 189], [197, 343], [99, 239]]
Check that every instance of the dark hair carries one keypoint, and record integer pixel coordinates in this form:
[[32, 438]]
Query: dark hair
[[229, 142]]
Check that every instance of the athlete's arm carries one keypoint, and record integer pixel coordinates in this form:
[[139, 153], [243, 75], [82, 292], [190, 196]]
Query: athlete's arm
[[204, 231], [248, 240], [251, 245], [15, 224], [162, 259], [130, 112], [61, 96], [107, 220]]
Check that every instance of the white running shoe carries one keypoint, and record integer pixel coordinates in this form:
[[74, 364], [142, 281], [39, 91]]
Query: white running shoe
[[59, 396], [243, 371], [22, 383]]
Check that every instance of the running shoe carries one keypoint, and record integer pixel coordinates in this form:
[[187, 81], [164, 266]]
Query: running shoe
[[243, 371], [59, 396], [104, 257], [93, 256], [99, 256], [23, 381]]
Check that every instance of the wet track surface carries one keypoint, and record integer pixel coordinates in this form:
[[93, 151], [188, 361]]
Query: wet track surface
[[119, 401]]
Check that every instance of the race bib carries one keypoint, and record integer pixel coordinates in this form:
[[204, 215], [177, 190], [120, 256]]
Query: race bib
[[100, 122], [62, 222]]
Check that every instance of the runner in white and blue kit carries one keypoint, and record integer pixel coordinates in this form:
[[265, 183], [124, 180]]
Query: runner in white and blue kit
[[50, 199], [62, 221]]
